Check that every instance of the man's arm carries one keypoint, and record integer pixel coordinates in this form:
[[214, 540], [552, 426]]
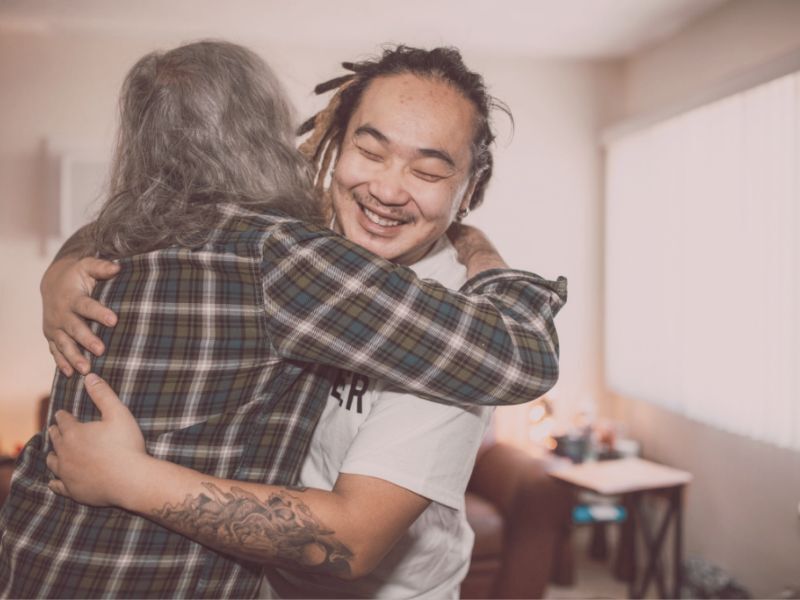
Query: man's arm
[[331, 302], [344, 532], [78, 245], [68, 282]]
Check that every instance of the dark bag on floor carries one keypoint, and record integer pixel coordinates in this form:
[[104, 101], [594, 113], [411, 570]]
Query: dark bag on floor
[[701, 579]]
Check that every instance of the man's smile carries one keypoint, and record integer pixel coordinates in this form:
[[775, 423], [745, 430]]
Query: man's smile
[[379, 220], [379, 215]]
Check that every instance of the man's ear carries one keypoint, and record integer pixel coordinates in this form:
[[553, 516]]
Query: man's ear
[[466, 200]]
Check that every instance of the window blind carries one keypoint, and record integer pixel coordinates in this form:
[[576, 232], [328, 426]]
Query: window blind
[[702, 263]]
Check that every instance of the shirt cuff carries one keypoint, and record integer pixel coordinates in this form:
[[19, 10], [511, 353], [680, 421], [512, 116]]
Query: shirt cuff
[[492, 277]]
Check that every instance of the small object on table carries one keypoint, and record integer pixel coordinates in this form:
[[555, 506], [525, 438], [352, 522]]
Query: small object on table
[[572, 446]]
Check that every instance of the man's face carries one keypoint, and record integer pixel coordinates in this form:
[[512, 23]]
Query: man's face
[[404, 166]]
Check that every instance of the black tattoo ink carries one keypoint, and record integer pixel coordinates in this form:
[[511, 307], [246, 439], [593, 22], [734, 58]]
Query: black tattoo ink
[[282, 528]]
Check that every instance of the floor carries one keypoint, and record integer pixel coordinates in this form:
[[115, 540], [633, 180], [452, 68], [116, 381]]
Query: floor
[[593, 578]]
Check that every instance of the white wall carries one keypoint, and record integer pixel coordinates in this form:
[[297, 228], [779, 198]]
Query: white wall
[[742, 505], [542, 208]]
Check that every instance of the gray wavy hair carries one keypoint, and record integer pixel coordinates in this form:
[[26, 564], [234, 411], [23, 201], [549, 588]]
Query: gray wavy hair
[[204, 123]]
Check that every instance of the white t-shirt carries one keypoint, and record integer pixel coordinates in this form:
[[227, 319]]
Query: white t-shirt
[[426, 447]]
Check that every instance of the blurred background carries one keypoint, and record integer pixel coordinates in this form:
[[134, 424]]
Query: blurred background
[[654, 162]]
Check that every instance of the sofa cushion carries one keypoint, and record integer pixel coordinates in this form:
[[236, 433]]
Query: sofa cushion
[[487, 523]]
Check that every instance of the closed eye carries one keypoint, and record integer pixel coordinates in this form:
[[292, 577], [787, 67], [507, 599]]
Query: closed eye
[[369, 155], [425, 176]]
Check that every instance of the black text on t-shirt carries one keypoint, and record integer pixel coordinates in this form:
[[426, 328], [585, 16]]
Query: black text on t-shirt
[[352, 386]]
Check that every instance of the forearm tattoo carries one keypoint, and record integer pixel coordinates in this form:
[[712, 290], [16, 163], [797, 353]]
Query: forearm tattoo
[[282, 529]]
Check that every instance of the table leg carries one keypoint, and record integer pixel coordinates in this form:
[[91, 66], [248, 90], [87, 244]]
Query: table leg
[[625, 563], [634, 517], [654, 548], [677, 500], [598, 547]]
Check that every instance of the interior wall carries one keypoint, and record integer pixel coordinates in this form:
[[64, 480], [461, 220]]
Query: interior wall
[[544, 211], [542, 207], [741, 508], [743, 504], [738, 36]]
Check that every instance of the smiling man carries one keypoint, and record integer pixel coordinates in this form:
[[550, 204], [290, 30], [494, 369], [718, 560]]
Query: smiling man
[[405, 166], [412, 147], [380, 512]]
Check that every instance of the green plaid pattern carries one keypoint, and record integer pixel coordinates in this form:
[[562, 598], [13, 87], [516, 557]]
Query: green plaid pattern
[[217, 353]]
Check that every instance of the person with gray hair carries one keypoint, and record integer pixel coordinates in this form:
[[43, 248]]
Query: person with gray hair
[[234, 312]]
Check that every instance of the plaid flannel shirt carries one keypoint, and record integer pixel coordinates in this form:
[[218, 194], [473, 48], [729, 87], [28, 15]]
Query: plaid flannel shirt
[[217, 353]]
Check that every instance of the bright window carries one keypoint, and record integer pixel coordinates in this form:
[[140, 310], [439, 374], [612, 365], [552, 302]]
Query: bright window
[[703, 263]]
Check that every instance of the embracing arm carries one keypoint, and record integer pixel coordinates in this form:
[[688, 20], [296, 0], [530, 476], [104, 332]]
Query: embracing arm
[[344, 532], [78, 245], [330, 301]]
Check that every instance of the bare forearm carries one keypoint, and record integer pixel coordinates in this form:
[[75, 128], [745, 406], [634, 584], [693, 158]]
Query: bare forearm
[[261, 523], [343, 532]]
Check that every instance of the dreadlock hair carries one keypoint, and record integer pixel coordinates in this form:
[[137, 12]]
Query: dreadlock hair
[[443, 64], [204, 123]]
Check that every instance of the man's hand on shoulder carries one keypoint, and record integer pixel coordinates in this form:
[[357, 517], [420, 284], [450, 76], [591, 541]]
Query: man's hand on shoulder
[[66, 301], [474, 249]]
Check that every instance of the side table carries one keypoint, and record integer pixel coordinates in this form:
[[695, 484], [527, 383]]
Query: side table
[[632, 479]]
